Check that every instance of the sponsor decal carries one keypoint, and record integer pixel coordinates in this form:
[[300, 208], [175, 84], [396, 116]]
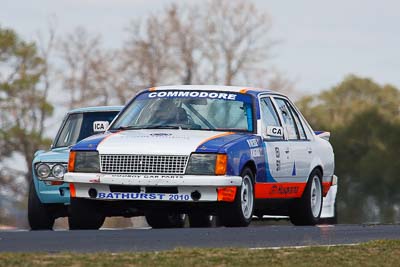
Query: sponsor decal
[[100, 126], [160, 134], [277, 152], [252, 142], [136, 176], [256, 152], [284, 190], [278, 165], [143, 196], [274, 131], [193, 94], [278, 161], [279, 190]]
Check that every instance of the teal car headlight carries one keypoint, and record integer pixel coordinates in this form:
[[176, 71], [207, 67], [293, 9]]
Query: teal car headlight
[[43, 170], [58, 171], [87, 161], [50, 170], [201, 164]]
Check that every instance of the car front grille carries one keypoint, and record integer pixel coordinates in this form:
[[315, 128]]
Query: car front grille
[[146, 164]]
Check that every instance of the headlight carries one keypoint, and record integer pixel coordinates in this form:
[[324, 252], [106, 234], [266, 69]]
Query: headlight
[[43, 171], [207, 164], [86, 161], [58, 171]]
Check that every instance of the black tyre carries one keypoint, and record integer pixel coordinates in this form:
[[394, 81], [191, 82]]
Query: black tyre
[[200, 219], [307, 209], [40, 216], [240, 212], [85, 214], [160, 219]]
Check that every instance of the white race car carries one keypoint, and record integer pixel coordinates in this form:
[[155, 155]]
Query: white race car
[[231, 152]]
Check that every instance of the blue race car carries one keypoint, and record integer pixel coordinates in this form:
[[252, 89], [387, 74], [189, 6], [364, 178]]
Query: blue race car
[[230, 152], [49, 195]]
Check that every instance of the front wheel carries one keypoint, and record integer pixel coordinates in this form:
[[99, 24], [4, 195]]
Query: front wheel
[[85, 215], [40, 216], [240, 212], [160, 219], [307, 209]]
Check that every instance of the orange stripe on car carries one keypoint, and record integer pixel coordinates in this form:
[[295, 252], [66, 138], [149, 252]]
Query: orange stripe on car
[[325, 187], [279, 190], [215, 137], [72, 190], [108, 136]]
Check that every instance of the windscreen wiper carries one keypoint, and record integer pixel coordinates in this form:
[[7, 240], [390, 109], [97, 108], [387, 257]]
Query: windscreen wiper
[[129, 127], [162, 127]]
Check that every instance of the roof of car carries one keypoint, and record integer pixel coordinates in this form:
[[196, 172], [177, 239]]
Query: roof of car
[[96, 109], [238, 89]]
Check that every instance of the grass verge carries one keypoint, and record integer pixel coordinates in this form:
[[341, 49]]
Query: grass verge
[[374, 253]]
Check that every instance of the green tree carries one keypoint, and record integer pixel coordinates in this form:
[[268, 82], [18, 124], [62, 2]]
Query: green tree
[[338, 106], [364, 120], [24, 106]]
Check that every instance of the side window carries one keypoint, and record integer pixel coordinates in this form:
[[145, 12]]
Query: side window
[[288, 119], [268, 115], [300, 127]]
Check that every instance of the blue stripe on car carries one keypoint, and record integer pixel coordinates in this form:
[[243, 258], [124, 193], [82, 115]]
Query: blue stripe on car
[[90, 143]]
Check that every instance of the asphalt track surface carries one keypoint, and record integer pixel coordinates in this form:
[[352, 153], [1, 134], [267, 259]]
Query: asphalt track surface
[[167, 239]]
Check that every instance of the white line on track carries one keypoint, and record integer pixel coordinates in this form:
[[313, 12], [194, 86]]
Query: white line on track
[[299, 247]]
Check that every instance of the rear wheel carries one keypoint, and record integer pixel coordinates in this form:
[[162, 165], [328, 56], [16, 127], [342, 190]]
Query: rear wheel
[[240, 212], [160, 219], [40, 216], [307, 210], [85, 215]]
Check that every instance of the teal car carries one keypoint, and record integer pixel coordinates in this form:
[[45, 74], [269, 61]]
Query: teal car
[[49, 195]]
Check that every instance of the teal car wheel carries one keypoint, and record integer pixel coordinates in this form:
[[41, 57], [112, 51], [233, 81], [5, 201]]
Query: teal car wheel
[[40, 216]]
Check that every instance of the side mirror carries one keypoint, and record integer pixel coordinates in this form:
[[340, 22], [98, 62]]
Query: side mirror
[[100, 126], [274, 131]]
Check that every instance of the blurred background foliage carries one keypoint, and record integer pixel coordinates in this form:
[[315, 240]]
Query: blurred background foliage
[[219, 42], [364, 120]]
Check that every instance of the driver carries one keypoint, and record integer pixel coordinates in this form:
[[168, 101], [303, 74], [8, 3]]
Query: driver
[[166, 113]]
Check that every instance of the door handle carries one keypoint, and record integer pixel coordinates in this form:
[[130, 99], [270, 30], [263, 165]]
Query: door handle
[[309, 150], [287, 150]]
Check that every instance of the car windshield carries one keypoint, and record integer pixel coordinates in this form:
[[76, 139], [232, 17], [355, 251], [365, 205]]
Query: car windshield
[[78, 126], [197, 110]]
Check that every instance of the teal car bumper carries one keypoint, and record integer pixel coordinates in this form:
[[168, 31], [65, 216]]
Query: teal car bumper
[[52, 193]]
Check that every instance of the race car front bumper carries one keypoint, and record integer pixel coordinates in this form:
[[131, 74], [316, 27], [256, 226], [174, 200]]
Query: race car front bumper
[[185, 188]]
